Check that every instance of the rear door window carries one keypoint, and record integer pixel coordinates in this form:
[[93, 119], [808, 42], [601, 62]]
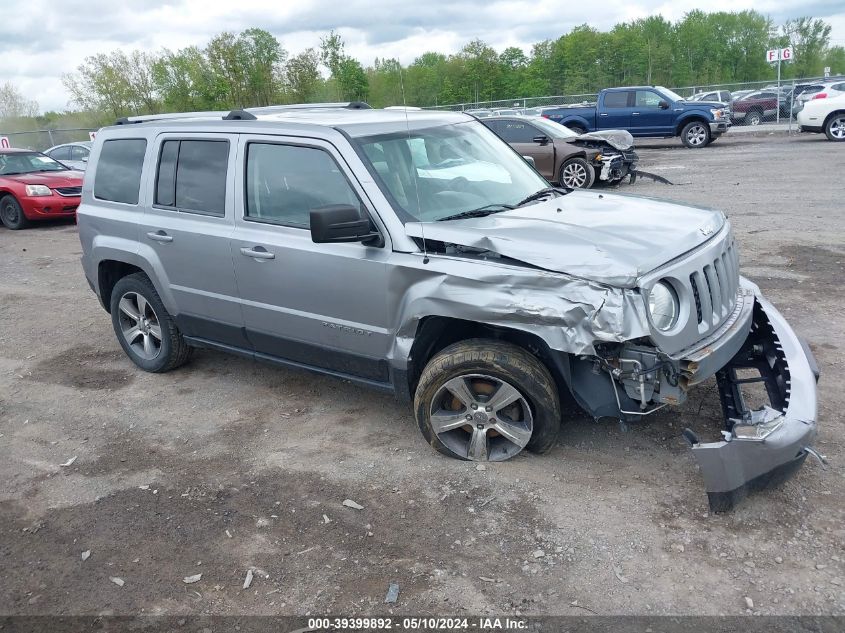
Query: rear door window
[[60, 153], [616, 99], [517, 132], [118, 176], [192, 176], [78, 152]]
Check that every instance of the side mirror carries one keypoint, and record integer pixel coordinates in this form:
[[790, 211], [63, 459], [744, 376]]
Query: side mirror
[[542, 139], [85, 160], [341, 223], [663, 105], [530, 161]]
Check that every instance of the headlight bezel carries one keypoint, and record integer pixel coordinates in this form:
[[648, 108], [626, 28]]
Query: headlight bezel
[[38, 191], [660, 322], [718, 113]]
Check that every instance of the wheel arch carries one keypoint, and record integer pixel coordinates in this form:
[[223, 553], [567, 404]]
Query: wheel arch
[[435, 333], [689, 119], [110, 271], [827, 119]]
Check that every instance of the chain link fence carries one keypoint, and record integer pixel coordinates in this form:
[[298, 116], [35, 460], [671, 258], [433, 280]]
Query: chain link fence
[[45, 139], [590, 98]]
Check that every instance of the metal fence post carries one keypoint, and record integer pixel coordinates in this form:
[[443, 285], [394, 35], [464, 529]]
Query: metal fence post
[[50, 134]]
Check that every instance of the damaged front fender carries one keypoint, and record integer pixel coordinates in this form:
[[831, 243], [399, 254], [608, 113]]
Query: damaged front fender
[[761, 448], [571, 315]]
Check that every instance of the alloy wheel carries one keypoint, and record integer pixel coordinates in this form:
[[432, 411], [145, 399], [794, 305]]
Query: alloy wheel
[[837, 128], [481, 418], [139, 325], [697, 135], [575, 175]]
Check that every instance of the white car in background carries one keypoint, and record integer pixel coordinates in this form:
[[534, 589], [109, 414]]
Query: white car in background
[[824, 115], [74, 155]]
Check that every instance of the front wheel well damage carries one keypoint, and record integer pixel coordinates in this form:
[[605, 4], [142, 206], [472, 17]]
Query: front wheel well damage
[[109, 272], [435, 333]]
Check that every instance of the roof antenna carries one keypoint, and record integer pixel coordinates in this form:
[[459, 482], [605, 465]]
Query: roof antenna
[[413, 167]]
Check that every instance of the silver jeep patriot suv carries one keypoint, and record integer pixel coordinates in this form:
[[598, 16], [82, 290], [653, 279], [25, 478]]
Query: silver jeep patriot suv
[[416, 253]]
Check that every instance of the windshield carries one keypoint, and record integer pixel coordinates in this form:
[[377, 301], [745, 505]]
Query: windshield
[[27, 163], [673, 96], [433, 173], [552, 128]]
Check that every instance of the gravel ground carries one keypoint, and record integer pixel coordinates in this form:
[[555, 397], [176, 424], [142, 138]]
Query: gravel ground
[[226, 465]]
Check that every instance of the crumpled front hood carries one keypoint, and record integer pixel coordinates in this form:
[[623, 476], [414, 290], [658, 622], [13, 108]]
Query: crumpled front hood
[[609, 238], [617, 139]]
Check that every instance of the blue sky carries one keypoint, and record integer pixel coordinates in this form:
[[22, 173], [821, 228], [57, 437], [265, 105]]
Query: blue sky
[[42, 39]]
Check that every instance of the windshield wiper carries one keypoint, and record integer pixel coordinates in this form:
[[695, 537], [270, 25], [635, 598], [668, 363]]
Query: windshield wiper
[[542, 194], [480, 212]]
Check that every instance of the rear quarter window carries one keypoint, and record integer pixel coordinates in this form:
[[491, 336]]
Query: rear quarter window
[[118, 175]]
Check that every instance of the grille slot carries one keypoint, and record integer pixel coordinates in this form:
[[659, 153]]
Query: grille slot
[[696, 296], [69, 192]]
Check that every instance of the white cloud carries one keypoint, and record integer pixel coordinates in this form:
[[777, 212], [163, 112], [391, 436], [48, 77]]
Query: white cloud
[[40, 42]]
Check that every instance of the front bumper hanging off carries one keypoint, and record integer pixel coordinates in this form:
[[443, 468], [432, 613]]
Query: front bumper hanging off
[[761, 448]]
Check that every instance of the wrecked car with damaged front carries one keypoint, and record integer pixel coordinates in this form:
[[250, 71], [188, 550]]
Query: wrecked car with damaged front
[[417, 253]]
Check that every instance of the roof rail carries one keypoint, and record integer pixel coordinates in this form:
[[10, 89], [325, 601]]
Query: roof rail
[[246, 114], [348, 105], [171, 115]]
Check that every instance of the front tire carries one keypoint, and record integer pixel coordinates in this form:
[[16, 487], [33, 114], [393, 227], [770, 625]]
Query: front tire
[[144, 328], [834, 129], [577, 173], [485, 400], [11, 214], [695, 134]]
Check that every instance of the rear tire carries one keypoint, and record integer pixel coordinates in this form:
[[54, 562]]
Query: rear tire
[[755, 117], [144, 328], [11, 214], [577, 129], [577, 173], [695, 134], [834, 129], [457, 402]]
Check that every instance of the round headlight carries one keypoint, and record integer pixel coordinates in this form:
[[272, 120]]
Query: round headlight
[[663, 306]]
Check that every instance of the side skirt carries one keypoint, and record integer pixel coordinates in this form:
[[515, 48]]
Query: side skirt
[[386, 387]]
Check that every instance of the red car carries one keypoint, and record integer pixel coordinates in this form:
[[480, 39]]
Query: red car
[[35, 187]]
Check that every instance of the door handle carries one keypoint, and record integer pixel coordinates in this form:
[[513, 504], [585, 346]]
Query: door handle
[[159, 236], [635, 114], [257, 253], [603, 114]]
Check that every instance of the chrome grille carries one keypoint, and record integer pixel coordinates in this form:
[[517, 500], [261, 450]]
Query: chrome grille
[[714, 288], [68, 192]]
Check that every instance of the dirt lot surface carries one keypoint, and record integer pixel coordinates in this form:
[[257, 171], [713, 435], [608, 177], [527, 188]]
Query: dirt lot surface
[[226, 465]]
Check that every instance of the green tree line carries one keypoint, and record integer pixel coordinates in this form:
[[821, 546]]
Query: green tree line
[[252, 68]]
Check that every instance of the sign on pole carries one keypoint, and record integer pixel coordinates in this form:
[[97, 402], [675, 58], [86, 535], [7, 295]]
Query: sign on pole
[[4, 142], [92, 136], [779, 55], [827, 71]]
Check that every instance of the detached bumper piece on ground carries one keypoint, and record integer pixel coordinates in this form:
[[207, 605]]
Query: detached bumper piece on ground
[[761, 448]]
